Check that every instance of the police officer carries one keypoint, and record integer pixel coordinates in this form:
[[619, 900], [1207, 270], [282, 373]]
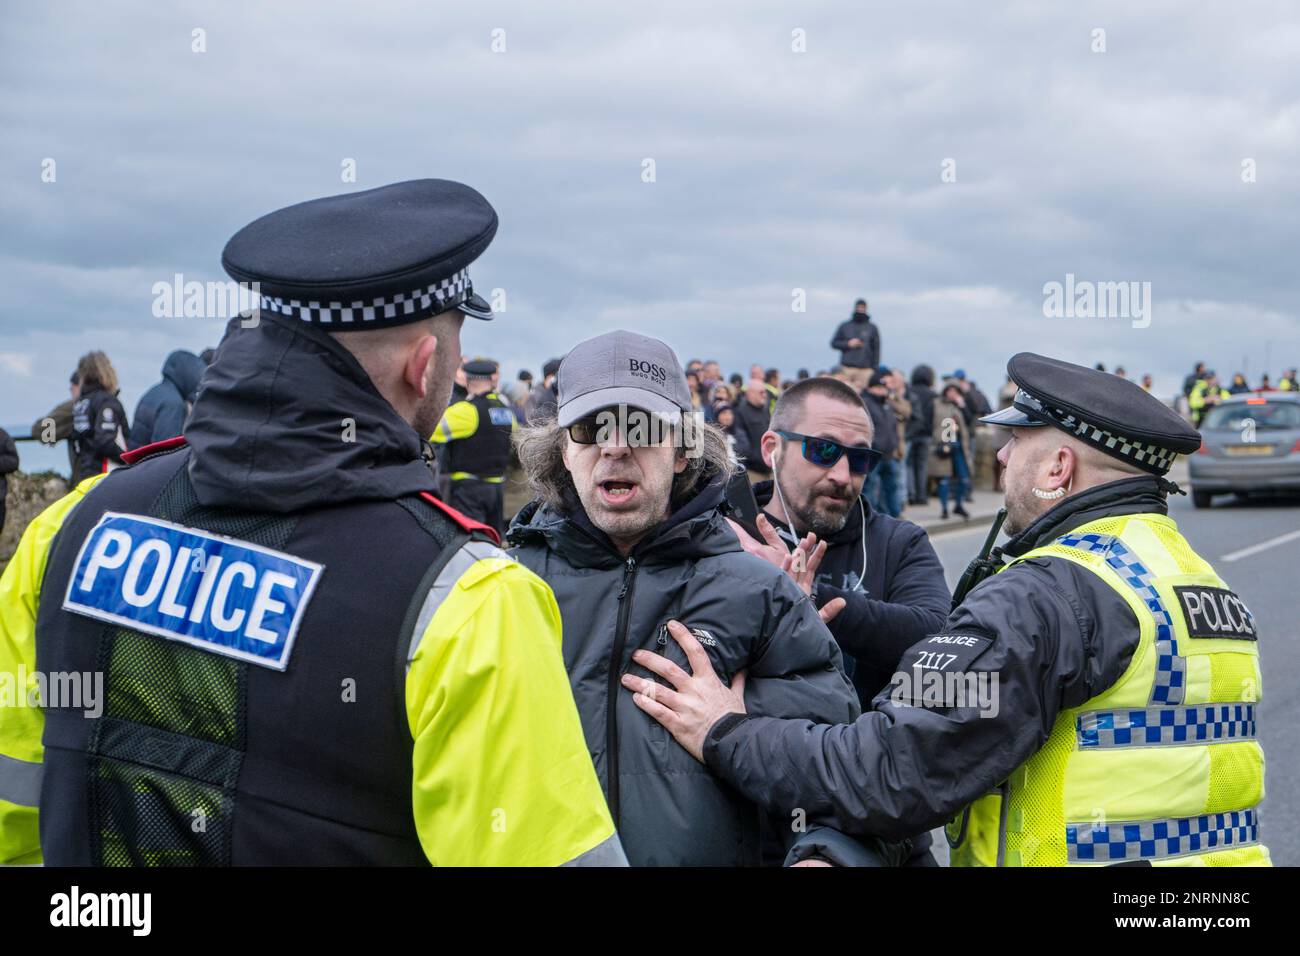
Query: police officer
[[1092, 703], [476, 432], [306, 657]]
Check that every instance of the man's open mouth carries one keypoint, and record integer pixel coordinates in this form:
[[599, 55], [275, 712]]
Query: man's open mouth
[[617, 492]]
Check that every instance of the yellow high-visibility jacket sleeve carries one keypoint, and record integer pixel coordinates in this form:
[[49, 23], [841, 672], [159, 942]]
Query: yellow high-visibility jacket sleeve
[[502, 776], [458, 421], [21, 725]]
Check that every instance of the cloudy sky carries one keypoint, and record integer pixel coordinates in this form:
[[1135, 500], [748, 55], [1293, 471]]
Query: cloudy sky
[[944, 160]]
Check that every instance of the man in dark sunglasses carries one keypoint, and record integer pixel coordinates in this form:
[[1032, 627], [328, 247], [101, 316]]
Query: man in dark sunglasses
[[882, 568]]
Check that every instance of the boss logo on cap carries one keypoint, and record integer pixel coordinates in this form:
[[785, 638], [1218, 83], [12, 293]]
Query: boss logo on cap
[[225, 596], [641, 369]]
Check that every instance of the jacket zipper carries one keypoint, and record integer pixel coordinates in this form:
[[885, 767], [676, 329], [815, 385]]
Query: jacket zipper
[[611, 704]]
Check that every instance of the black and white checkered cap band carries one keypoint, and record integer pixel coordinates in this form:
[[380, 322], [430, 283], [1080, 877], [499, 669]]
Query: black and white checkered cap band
[[439, 297], [1152, 458]]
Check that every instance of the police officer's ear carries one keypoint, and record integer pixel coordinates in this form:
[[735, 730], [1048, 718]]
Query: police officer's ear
[[418, 360]]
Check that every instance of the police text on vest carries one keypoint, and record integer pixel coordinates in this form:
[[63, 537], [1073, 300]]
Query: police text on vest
[[219, 594]]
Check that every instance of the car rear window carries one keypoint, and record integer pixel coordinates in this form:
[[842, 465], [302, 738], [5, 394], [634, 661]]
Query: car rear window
[[1267, 415]]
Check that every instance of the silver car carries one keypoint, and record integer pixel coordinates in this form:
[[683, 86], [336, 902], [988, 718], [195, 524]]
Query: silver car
[[1249, 443]]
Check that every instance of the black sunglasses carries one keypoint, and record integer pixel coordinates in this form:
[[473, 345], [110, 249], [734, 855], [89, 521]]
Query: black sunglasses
[[825, 453], [636, 428]]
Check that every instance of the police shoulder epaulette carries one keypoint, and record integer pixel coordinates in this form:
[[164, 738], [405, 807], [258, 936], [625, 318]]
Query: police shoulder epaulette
[[460, 520], [164, 447]]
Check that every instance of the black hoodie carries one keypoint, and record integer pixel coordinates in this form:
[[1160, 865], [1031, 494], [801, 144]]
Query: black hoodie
[[288, 420], [902, 598]]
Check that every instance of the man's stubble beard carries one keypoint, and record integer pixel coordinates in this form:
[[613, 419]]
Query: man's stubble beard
[[804, 515], [623, 527]]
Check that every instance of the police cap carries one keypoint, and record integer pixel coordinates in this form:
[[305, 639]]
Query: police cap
[[1110, 413], [371, 259], [480, 368]]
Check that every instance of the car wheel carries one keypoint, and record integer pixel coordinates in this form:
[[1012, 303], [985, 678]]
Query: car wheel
[[1201, 499]]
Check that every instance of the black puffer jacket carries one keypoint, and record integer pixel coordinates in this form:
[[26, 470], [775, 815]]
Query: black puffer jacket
[[669, 810]]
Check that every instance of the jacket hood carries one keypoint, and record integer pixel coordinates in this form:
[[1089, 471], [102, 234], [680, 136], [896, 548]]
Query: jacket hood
[[288, 420], [184, 369], [697, 529], [1145, 494]]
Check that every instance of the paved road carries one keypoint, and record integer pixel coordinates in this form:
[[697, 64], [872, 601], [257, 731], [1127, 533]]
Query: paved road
[[1255, 547]]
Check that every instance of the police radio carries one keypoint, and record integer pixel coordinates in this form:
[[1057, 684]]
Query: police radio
[[985, 564]]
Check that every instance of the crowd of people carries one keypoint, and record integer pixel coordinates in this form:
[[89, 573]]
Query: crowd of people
[[925, 423], [644, 668]]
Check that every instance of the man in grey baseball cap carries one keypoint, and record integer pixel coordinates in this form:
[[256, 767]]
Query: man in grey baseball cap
[[628, 530], [622, 368]]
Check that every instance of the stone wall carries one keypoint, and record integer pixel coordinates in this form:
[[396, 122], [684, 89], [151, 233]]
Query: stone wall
[[28, 496]]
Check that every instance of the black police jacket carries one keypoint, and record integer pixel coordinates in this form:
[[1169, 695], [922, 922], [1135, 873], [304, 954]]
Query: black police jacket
[[1059, 636], [199, 758], [99, 431]]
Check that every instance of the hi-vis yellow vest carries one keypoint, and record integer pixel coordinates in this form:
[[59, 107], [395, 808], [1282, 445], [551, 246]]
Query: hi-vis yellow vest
[[1163, 766]]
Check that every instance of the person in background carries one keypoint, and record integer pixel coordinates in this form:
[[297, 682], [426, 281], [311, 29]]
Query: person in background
[[1207, 393], [1264, 385], [1147, 382], [8, 465], [1119, 371], [99, 425], [801, 375], [1239, 384], [459, 386], [772, 379], [858, 342], [476, 432], [693, 383], [919, 435], [519, 393], [884, 486], [752, 415], [1190, 381], [161, 411], [726, 421], [541, 401], [901, 401], [56, 424], [950, 451], [1289, 382]]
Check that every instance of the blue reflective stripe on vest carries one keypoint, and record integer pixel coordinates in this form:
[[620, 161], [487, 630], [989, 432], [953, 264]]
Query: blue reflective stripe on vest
[[1156, 726], [1107, 843], [1171, 670]]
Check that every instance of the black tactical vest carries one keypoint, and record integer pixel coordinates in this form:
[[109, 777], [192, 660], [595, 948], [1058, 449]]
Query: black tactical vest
[[486, 453], [200, 759]]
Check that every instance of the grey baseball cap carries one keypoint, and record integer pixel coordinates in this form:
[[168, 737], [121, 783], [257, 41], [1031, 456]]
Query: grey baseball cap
[[621, 368]]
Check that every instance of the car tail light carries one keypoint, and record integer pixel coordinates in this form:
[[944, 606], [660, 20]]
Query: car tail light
[[1295, 449]]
